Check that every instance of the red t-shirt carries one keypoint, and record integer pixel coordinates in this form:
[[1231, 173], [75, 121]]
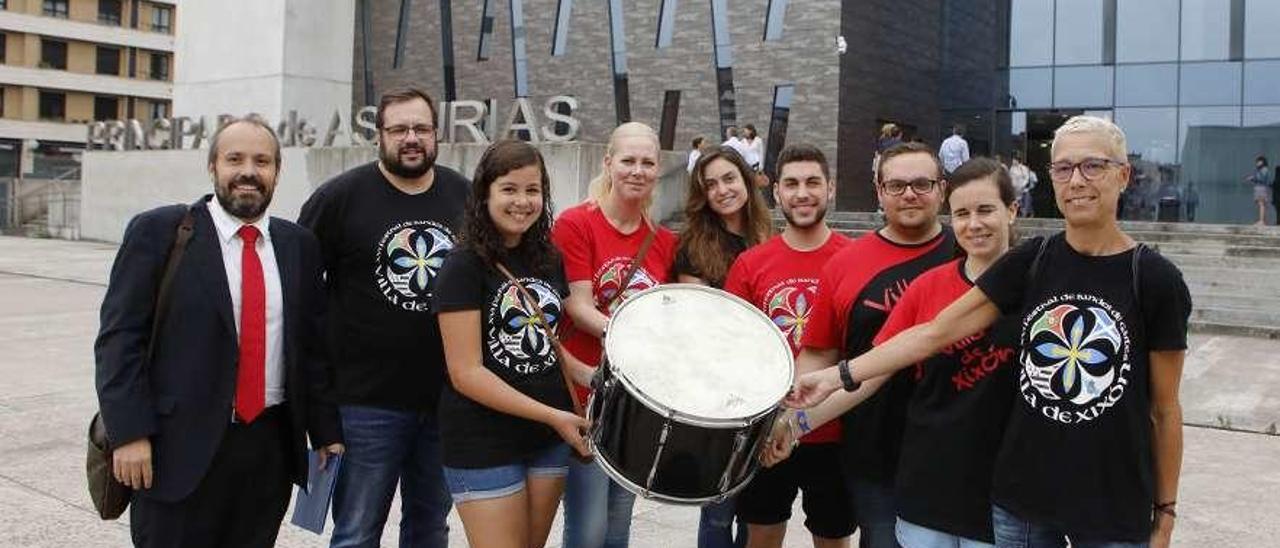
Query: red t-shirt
[[595, 251], [957, 413], [783, 282], [858, 289]]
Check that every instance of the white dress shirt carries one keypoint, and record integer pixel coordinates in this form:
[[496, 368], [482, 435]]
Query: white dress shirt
[[232, 246], [693, 159], [755, 153], [954, 152]]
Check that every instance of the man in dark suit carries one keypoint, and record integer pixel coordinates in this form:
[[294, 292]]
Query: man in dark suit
[[211, 433]]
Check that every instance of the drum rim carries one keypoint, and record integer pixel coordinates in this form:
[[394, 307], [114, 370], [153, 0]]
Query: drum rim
[[680, 416]]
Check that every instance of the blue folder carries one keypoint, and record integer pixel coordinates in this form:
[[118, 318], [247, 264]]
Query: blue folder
[[311, 507]]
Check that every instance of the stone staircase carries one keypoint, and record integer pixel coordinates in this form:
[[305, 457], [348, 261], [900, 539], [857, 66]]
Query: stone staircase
[[1233, 271]]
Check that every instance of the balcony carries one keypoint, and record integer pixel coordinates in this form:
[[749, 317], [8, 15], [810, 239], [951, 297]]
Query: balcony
[[85, 32]]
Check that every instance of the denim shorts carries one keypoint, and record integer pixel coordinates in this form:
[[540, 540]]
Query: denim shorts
[[467, 484]]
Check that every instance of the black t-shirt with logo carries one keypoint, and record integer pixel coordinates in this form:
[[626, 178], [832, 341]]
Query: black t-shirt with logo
[[1077, 454], [383, 250], [957, 413], [514, 347]]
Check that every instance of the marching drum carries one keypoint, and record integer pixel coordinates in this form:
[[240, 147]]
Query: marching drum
[[690, 383]]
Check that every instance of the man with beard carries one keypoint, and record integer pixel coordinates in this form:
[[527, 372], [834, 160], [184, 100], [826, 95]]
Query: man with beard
[[209, 391], [385, 228], [780, 277], [858, 288]]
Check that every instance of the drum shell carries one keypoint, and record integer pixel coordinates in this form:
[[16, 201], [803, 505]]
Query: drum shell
[[694, 464]]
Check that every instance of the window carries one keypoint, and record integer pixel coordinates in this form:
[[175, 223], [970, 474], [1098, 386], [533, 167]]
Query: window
[[1206, 30], [778, 119], [1261, 35], [4, 4], [402, 28], [1146, 31], [560, 36], [774, 16], [4, 40], [1078, 39], [1082, 86], [723, 48], [1262, 82], [105, 108], [53, 105], [53, 54], [1031, 33], [1146, 85], [159, 66], [519, 58], [486, 31], [1150, 132], [1210, 84], [1031, 88], [56, 8], [159, 110], [670, 114], [666, 23], [446, 50], [109, 12], [162, 19], [108, 61], [618, 47]]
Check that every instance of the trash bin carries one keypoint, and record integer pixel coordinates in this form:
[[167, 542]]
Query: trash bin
[[1169, 210]]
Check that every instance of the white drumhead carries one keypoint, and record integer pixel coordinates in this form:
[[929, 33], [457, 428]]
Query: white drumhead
[[700, 351]]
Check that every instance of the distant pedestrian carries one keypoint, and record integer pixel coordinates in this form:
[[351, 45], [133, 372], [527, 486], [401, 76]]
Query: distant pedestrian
[[755, 148], [695, 152], [955, 150], [1022, 176], [1261, 180]]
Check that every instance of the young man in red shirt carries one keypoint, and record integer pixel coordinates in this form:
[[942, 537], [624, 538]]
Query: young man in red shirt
[[780, 276], [858, 289]]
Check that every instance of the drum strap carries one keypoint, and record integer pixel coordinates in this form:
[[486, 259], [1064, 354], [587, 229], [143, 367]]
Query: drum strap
[[551, 336], [635, 264]]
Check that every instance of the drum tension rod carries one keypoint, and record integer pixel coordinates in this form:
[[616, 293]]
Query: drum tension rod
[[657, 457]]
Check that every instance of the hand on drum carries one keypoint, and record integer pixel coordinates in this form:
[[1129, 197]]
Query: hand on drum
[[812, 389], [781, 441], [572, 428]]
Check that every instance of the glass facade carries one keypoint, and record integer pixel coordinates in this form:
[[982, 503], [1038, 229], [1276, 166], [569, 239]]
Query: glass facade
[[1195, 84]]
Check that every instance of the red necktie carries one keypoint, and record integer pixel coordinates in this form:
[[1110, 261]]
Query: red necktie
[[251, 374]]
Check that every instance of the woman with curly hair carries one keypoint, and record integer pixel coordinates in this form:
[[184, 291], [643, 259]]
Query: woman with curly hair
[[506, 416]]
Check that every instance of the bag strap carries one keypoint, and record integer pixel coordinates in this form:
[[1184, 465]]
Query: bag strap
[[551, 336], [186, 227], [635, 263]]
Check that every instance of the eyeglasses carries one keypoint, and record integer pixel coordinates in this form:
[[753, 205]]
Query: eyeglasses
[[1090, 168], [400, 132], [897, 187]]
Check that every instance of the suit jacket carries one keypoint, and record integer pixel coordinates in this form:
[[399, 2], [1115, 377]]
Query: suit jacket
[[183, 400]]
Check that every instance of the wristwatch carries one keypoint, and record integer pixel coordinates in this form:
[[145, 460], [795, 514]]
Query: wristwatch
[[846, 376]]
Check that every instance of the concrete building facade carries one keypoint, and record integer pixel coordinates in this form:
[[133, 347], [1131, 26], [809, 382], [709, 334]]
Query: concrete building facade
[[64, 63]]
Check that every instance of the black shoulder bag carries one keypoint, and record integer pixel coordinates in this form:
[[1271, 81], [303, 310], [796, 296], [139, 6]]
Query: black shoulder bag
[[110, 497]]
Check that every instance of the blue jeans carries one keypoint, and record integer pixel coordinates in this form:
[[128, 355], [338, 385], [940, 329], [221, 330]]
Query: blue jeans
[[385, 446], [876, 512], [715, 526], [911, 535], [597, 511], [1014, 532]]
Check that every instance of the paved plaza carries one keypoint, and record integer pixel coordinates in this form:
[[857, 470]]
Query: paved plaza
[[50, 291]]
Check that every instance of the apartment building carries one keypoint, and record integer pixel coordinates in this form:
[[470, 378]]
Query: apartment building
[[65, 63]]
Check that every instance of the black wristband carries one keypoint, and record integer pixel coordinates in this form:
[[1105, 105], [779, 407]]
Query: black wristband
[[846, 377]]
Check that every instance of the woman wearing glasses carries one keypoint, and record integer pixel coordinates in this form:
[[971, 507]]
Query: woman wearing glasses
[[1093, 447]]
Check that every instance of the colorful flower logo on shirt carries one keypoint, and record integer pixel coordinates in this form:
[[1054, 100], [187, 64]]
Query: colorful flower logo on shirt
[[1074, 359], [608, 281], [789, 304], [516, 338], [409, 257]]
